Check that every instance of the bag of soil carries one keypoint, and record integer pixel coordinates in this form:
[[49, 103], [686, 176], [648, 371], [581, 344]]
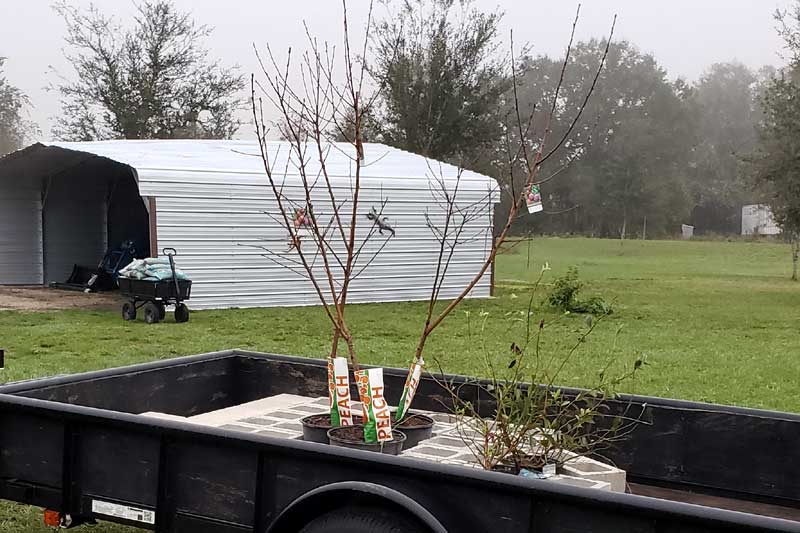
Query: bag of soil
[[377, 417], [339, 392]]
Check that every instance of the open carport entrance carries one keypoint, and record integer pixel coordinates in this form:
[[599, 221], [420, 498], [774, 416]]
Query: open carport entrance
[[75, 208]]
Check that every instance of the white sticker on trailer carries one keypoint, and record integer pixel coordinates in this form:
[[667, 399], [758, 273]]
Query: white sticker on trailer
[[123, 511]]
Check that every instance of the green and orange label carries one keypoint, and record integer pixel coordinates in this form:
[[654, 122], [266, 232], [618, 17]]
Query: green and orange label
[[377, 417]]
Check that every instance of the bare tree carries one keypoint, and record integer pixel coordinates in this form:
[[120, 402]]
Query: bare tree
[[14, 126], [322, 219], [154, 81], [525, 153]]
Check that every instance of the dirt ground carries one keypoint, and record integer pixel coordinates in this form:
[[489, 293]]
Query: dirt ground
[[16, 298]]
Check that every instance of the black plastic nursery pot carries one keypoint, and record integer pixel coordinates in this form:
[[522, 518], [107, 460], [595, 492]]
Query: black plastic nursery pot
[[416, 427], [316, 427], [353, 437]]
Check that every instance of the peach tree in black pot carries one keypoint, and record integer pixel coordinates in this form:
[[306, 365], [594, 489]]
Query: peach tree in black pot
[[324, 242]]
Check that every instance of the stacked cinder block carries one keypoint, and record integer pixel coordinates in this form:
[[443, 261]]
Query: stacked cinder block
[[280, 416]]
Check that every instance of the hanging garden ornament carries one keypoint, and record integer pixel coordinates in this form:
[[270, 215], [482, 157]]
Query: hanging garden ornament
[[534, 199]]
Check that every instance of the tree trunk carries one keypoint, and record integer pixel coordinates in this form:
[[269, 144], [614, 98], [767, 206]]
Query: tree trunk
[[795, 256], [624, 227]]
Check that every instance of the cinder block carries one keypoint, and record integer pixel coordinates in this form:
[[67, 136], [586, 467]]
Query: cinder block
[[435, 451], [447, 442], [310, 409], [580, 482], [590, 469], [278, 434], [165, 416], [279, 416], [238, 427], [253, 409]]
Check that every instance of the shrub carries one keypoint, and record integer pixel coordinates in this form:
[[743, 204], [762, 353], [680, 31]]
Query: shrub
[[564, 296], [520, 419]]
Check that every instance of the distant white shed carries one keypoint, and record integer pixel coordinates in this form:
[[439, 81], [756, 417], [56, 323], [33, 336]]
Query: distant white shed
[[757, 220], [66, 203]]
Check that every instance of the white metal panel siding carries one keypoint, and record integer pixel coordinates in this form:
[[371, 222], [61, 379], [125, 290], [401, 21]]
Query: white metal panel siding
[[757, 219], [20, 232], [218, 229], [74, 224], [211, 201]]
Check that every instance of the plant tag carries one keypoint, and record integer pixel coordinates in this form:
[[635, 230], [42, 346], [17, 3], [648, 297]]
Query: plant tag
[[549, 470], [124, 511], [410, 389], [339, 392], [377, 418], [533, 199]]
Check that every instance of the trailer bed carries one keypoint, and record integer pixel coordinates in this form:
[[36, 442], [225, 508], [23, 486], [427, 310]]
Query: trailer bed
[[79, 445]]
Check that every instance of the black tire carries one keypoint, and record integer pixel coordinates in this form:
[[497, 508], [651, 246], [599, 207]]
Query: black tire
[[162, 310], [363, 520], [152, 315], [128, 311], [181, 313]]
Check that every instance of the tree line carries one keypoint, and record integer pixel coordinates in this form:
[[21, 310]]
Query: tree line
[[649, 153]]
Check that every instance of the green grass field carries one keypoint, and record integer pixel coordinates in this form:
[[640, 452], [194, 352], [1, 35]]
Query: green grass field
[[717, 321]]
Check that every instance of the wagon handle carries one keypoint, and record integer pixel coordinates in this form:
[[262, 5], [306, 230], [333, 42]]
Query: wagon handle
[[172, 252]]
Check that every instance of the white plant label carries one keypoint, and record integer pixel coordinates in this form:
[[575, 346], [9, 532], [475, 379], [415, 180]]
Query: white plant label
[[342, 384]]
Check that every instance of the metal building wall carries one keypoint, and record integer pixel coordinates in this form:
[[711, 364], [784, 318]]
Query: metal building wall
[[757, 220], [20, 232], [211, 199], [74, 224]]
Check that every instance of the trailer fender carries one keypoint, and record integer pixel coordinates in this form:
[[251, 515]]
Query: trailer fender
[[322, 500]]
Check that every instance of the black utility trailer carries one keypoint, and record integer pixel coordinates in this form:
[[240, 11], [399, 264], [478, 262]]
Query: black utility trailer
[[76, 444]]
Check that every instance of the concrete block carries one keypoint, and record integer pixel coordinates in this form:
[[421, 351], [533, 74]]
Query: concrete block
[[279, 416], [290, 426], [310, 409], [580, 482], [446, 441], [590, 469], [434, 451], [238, 427], [279, 434], [253, 409], [166, 416]]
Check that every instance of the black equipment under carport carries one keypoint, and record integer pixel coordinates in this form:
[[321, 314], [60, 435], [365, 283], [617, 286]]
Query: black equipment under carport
[[104, 276], [154, 296]]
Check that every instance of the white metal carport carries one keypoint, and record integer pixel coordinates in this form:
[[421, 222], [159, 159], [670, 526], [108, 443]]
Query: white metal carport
[[208, 199]]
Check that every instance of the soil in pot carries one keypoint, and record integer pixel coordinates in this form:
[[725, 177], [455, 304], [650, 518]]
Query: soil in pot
[[353, 437], [417, 428], [315, 427]]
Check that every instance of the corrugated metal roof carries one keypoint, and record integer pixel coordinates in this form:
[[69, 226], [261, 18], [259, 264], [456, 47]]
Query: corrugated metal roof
[[212, 198], [243, 157]]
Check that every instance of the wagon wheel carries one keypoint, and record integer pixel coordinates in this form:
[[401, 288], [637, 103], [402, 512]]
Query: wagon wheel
[[181, 313], [129, 311], [162, 310], [151, 313]]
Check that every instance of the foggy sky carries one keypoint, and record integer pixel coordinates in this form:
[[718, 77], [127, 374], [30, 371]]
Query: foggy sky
[[685, 36]]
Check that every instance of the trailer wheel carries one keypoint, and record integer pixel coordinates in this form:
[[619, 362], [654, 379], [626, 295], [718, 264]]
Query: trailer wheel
[[162, 311], [151, 313], [362, 520], [128, 311], [181, 313]]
